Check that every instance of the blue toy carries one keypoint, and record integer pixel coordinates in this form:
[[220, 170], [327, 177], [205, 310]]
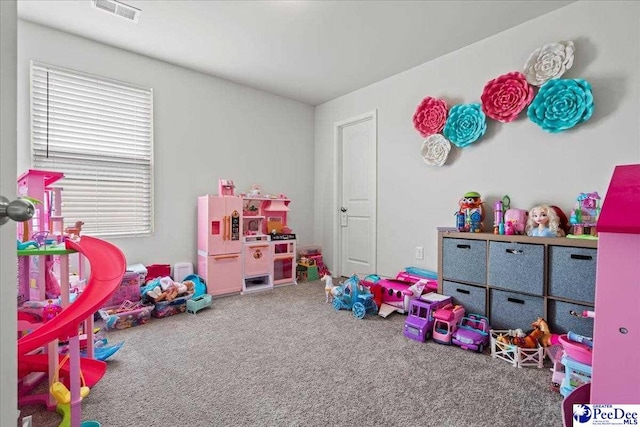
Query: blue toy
[[352, 295]]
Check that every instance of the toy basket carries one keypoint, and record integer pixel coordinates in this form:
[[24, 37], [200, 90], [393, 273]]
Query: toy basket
[[169, 308], [125, 315], [516, 356]]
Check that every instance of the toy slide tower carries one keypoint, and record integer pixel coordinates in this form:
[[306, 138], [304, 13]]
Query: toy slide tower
[[47, 218], [37, 184]]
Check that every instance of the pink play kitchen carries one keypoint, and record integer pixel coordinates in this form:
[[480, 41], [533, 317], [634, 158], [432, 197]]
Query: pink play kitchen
[[244, 243]]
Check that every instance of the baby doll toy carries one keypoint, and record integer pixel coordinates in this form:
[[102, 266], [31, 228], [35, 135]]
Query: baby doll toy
[[543, 221]]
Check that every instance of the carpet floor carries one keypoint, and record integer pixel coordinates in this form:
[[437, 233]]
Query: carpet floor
[[285, 358]]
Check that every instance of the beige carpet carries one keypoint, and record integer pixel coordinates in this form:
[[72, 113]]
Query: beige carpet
[[285, 358]]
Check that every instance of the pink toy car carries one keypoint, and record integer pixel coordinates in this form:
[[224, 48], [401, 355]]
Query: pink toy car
[[472, 333], [446, 322]]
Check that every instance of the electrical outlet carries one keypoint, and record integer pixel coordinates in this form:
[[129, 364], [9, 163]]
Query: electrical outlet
[[419, 252]]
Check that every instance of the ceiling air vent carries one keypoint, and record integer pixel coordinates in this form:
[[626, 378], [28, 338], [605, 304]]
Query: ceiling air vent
[[120, 9]]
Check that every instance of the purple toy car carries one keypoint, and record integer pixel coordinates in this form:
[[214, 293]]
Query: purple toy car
[[472, 333]]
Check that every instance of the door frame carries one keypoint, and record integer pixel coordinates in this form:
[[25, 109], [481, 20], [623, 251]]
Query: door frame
[[337, 190]]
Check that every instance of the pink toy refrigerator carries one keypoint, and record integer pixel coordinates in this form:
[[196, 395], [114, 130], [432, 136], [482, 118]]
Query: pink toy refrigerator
[[616, 337], [220, 243]]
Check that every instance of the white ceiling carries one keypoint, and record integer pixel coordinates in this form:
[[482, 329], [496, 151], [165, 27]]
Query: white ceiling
[[310, 51]]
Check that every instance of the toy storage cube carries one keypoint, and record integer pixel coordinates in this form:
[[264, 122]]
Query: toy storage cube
[[572, 273], [464, 260], [517, 266], [472, 298], [169, 308], [129, 290], [561, 321], [510, 310]]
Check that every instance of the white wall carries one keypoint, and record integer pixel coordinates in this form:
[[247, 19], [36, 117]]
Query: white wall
[[518, 158], [205, 128], [8, 363]]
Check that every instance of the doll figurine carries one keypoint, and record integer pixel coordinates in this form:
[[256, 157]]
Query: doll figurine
[[543, 221]]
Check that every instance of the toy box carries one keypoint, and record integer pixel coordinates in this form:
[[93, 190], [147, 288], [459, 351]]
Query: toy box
[[157, 270], [576, 374], [169, 308], [119, 317], [129, 290], [517, 356]]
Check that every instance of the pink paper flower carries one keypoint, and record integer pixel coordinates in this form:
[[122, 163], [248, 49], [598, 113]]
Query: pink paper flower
[[430, 116], [504, 97]]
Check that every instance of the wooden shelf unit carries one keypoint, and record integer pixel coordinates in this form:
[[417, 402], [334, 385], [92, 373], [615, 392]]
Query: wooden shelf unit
[[515, 279]]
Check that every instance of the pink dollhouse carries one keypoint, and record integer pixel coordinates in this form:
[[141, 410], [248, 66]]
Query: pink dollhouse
[[616, 365]]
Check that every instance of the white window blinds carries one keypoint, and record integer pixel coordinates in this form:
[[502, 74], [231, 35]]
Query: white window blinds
[[99, 133]]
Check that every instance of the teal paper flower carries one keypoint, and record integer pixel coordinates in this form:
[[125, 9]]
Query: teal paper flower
[[465, 124], [561, 104]]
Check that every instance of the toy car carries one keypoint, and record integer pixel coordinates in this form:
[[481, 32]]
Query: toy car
[[352, 295], [472, 333], [419, 322]]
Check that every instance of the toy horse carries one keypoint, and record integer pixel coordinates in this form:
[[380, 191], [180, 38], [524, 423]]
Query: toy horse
[[75, 229], [528, 341], [546, 337], [328, 287]]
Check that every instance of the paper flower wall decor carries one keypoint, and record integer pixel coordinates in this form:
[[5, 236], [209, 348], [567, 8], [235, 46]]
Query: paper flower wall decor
[[435, 150], [430, 116], [549, 62], [561, 104], [466, 123], [504, 97]]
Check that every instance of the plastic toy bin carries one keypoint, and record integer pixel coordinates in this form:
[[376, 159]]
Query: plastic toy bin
[[129, 289], [576, 374], [169, 308], [125, 319]]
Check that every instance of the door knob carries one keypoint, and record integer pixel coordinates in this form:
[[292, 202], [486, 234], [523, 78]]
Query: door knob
[[19, 210], [343, 209]]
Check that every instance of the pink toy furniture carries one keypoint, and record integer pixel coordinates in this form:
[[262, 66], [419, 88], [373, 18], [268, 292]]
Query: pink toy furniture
[[616, 340]]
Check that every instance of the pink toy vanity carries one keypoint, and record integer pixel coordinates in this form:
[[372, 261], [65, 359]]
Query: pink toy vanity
[[616, 340]]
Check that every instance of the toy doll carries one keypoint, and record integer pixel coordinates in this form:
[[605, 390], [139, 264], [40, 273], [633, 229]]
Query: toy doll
[[543, 221]]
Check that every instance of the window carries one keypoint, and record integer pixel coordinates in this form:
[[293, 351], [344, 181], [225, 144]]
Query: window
[[99, 133]]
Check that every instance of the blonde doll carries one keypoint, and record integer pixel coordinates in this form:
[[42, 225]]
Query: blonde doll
[[543, 221]]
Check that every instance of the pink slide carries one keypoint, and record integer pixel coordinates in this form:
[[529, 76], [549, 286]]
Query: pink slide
[[108, 265]]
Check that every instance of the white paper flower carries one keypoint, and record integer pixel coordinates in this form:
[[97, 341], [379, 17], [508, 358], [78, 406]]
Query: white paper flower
[[549, 62], [435, 150]]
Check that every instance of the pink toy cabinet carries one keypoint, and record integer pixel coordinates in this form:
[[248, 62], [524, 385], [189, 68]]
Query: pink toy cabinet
[[220, 243], [616, 364]]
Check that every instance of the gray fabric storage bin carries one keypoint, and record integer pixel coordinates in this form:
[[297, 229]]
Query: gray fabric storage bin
[[472, 298], [510, 310], [464, 260], [572, 273], [561, 321], [517, 266]]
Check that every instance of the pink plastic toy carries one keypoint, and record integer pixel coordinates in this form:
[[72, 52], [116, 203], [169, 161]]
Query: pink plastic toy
[[446, 322], [419, 323], [519, 219]]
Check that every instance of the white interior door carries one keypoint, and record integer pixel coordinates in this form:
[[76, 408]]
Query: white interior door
[[357, 176], [8, 175]]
